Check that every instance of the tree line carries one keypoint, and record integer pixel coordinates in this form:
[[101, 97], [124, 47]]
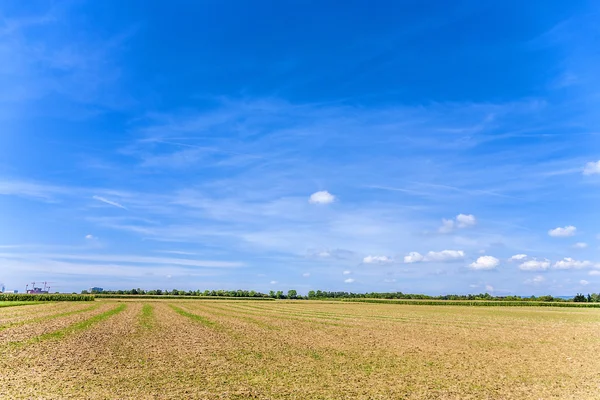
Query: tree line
[[323, 294]]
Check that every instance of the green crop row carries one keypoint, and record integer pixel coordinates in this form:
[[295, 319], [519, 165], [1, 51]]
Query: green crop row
[[44, 297], [474, 303], [171, 297]]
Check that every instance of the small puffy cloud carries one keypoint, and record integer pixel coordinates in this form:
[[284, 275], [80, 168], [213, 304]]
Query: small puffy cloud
[[461, 221], [349, 280], [273, 282], [464, 221], [447, 226], [518, 257], [346, 272], [535, 265], [485, 263], [389, 280], [536, 280], [444, 255], [592, 168], [580, 245], [90, 237], [322, 197], [434, 256], [583, 282], [377, 260], [306, 274], [563, 232], [489, 288], [594, 273], [413, 257], [569, 263]]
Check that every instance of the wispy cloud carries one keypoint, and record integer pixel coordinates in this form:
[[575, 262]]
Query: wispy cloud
[[112, 203]]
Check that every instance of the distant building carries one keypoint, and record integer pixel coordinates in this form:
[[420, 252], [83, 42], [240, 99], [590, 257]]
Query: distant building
[[96, 290]]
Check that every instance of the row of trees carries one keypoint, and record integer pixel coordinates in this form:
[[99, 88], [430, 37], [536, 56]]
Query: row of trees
[[319, 294], [590, 298]]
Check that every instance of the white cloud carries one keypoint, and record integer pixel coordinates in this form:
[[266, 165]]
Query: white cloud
[[536, 280], [583, 282], [461, 221], [535, 265], [594, 273], [592, 168], [485, 263], [444, 255], [489, 288], [413, 257], [347, 272], [580, 245], [273, 282], [112, 203], [306, 274], [90, 237], [569, 263], [377, 260], [464, 221], [349, 280], [563, 232], [518, 257], [322, 197], [434, 256], [447, 226]]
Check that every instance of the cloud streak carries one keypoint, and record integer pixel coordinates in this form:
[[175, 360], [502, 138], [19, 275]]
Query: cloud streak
[[112, 203]]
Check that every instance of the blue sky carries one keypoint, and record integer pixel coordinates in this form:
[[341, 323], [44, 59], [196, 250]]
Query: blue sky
[[411, 146]]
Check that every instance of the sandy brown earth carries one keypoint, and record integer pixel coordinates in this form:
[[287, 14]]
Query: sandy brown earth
[[305, 350]]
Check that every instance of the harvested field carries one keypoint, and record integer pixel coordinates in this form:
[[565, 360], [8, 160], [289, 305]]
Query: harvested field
[[298, 350]]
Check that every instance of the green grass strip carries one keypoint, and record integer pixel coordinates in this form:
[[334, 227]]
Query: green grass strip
[[16, 303], [198, 318], [80, 326], [48, 317], [147, 317], [473, 303]]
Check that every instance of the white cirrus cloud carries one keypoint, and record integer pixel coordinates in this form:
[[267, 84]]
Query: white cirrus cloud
[[459, 222], [306, 274], [518, 257], [567, 231], [594, 273], [580, 245], [485, 263], [592, 168], [321, 197], [349, 280], [535, 265], [413, 257], [583, 282], [273, 282], [346, 272], [377, 260], [569, 263], [110, 202]]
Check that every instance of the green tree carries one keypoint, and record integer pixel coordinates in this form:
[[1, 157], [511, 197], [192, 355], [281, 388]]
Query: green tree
[[292, 294]]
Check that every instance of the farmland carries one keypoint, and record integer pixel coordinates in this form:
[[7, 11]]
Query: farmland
[[147, 348]]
